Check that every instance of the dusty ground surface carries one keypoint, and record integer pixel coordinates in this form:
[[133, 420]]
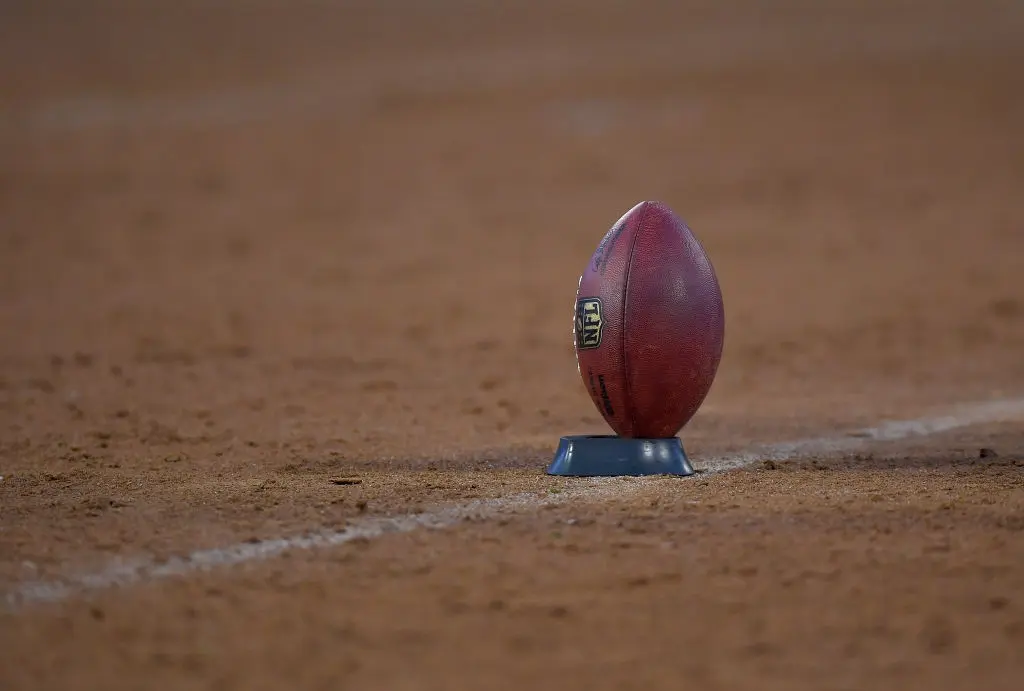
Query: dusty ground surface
[[250, 248]]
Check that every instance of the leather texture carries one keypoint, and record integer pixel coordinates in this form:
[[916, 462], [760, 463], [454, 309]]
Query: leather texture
[[649, 327]]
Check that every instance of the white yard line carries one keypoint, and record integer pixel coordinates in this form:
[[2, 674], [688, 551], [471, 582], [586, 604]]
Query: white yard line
[[124, 573], [962, 416]]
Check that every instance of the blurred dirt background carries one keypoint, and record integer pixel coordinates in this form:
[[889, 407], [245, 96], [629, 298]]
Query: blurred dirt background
[[250, 247]]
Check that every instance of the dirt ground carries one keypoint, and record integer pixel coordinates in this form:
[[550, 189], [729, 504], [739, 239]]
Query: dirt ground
[[248, 248]]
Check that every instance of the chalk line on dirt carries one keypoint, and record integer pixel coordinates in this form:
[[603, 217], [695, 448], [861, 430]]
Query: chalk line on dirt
[[127, 572]]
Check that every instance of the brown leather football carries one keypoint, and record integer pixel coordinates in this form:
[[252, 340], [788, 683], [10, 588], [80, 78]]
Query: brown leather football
[[649, 325]]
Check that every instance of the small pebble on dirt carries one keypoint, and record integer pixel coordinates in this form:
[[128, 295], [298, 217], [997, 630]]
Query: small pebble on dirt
[[769, 465], [346, 481], [998, 602], [558, 612]]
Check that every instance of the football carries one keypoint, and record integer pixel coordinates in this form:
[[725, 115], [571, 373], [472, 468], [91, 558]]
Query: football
[[649, 325]]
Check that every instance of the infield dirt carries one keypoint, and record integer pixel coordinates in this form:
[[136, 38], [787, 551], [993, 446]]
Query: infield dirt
[[248, 249]]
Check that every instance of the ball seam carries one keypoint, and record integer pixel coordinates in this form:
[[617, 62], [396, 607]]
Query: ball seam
[[625, 302]]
